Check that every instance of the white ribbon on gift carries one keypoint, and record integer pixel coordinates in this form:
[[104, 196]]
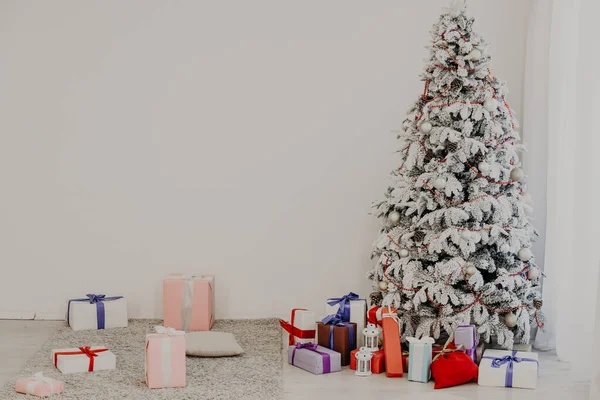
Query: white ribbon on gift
[[419, 361], [392, 315], [165, 349], [187, 298], [39, 378]]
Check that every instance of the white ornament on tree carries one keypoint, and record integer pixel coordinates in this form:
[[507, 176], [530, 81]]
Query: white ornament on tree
[[440, 183], [525, 254], [533, 274], [394, 217], [516, 174], [465, 234], [491, 104], [505, 248], [475, 55], [425, 127], [403, 253], [471, 271], [510, 320], [383, 286], [483, 167]]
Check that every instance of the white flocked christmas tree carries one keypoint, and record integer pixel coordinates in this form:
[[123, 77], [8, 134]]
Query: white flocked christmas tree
[[456, 236]]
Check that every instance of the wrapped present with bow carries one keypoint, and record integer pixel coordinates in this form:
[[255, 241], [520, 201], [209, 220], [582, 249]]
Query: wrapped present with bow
[[84, 359], [39, 385], [97, 311], [338, 335], [391, 343], [165, 358], [516, 369], [301, 327], [189, 302], [452, 366], [466, 336], [350, 308], [314, 358], [419, 359]]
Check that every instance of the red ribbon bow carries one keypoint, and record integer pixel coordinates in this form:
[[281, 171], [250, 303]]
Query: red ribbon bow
[[293, 331], [82, 350]]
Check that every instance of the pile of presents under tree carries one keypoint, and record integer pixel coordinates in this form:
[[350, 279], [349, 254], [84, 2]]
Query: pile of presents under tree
[[370, 342]]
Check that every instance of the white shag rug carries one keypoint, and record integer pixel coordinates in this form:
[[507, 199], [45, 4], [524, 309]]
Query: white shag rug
[[256, 374]]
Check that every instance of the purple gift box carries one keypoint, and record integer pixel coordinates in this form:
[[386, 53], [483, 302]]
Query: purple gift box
[[313, 358], [466, 335]]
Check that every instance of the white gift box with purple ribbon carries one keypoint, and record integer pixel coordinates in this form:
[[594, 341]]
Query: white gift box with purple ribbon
[[517, 369], [97, 311], [350, 308], [466, 335], [314, 358]]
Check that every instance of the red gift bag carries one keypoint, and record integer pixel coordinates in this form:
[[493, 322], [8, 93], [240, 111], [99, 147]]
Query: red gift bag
[[453, 369]]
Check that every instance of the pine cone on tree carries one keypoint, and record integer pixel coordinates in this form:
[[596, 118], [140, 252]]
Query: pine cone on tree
[[375, 299], [538, 304], [452, 147], [419, 236]]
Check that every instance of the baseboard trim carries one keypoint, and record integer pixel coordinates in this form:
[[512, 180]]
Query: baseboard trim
[[49, 316], [5, 314]]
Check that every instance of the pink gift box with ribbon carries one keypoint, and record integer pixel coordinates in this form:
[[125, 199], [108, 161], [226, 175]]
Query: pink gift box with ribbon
[[189, 302], [39, 385], [165, 358]]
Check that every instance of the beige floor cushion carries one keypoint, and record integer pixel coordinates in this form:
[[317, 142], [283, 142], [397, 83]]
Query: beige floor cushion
[[212, 344]]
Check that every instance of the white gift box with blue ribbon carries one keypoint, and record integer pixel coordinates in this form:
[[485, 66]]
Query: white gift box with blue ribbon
[[419, 358], [97, 311], [517, 369]]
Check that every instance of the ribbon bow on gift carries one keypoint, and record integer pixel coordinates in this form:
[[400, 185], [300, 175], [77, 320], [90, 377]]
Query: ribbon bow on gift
[[344, 303], [163, 330], [39, 378], [97, 299], [336, 320], [313, 347], [446, 350], [498, 362]]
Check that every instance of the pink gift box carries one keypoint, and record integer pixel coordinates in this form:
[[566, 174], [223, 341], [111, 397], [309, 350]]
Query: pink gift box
[[189, 302], [39, 386], [165, 359]]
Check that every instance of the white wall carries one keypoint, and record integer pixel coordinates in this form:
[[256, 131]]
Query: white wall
[[242, 138]]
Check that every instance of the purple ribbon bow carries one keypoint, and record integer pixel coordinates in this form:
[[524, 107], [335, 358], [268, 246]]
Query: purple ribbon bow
[[344, 302], [98, 299], [497, 362], [336, 320], [313, 347]]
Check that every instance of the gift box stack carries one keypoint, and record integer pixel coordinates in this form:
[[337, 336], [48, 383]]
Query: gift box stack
[[370, 342], [189, 304]]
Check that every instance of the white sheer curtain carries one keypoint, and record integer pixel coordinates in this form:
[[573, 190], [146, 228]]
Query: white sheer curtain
[[561, 126]]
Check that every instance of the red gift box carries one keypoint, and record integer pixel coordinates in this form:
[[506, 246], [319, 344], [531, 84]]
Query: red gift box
[[377, 362]]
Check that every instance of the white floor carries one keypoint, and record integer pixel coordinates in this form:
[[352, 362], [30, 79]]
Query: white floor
[[20, 339]]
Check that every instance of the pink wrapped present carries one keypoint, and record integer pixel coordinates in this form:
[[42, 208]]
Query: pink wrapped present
[[38, 385], [165, 358], [189, 302]]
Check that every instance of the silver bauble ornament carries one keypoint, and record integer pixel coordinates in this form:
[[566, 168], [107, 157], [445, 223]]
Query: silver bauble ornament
[[475, 55], [510, 320], [525, 254], [505, 248], [383, 286], [491, 104], [440, 183], [465, 234], [394, 217], [516, 174], [483, 167], [425, 127], [471, 271], [533, 274], [403, 253]]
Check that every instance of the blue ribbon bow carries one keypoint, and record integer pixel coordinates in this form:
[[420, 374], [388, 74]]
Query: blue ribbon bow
[[336, 320], [498, 362], [98, 299], [344, 305]]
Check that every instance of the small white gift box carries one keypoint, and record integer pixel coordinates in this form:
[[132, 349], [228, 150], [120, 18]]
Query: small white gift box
[[83, 359], [351, 309], [517, 369], [419, 358], [97, 312], [302, 326]]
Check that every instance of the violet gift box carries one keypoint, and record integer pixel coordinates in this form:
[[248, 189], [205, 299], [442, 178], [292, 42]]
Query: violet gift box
[[314, 361], [466, 335]]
